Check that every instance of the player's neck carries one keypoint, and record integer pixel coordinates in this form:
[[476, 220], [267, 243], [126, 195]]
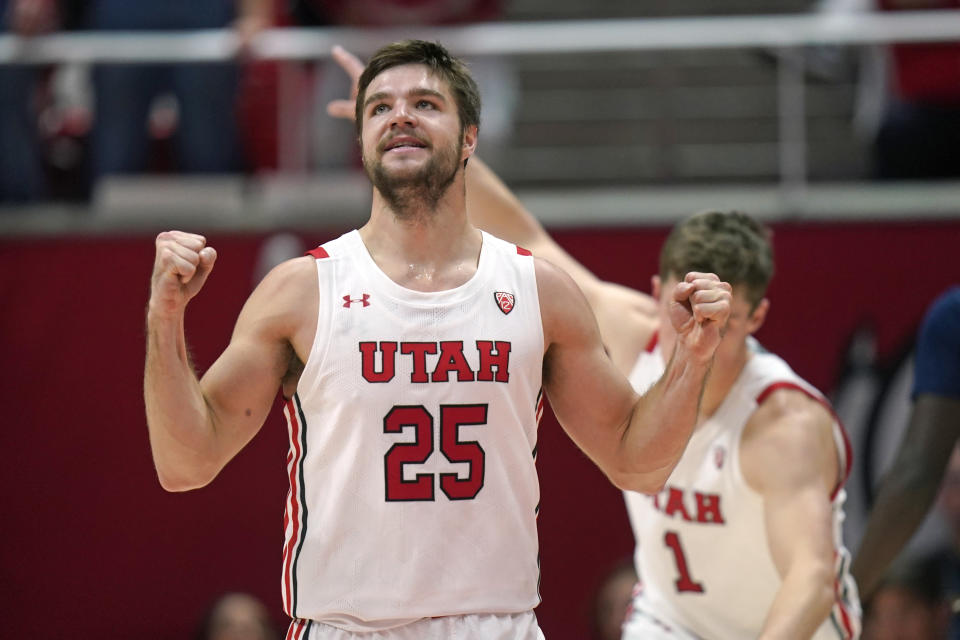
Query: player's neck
[[723, 375], [424, 250]]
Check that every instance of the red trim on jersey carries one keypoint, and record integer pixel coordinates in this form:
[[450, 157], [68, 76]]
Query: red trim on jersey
[[848, 448], [844, 615], [318, 253], [296, 629], [651, 345], [293, 508], [523, 252]]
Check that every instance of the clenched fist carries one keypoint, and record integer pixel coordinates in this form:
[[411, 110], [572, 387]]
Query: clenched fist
[[181, 266], [699, 312]]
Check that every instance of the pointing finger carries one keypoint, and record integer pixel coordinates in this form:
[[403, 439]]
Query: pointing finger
[[348, 62]]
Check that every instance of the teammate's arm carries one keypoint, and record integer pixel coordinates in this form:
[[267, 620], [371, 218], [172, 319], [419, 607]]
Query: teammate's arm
[[626, 317], [635, 440], [788, 454], [197, 426]]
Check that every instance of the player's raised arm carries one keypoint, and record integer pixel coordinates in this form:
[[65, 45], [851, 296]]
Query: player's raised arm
[[635, 440], [197, 426]]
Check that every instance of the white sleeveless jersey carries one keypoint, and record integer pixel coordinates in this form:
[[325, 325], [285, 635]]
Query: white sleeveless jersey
[[413, 488], [702, 552]]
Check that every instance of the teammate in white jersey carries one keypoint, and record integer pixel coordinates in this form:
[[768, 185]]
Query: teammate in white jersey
[[744, 540], [412, 353]]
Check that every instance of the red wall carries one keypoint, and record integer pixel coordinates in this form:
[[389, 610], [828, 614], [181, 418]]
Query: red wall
[[94, 548]]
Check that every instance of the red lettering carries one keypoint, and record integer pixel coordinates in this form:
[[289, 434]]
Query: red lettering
[[419, 350], [494, 356], [675, 504], [452, 359], [708, 508], [388, 353]]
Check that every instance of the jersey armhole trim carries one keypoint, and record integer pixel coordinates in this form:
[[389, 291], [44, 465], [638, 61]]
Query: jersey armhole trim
[[318, 355], [844, 448], [652, 343]]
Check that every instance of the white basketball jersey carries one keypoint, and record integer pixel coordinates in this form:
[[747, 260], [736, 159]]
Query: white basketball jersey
[[702, 552], [413, 489]]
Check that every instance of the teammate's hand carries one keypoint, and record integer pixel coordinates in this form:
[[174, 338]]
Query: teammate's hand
[[699, 312], [350, 63], [181, 266], [247, 28]]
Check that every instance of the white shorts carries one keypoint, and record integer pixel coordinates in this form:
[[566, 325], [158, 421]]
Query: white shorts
[[480, 626], [644, 625]]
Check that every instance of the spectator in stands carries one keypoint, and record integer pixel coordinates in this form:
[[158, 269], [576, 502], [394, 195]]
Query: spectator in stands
[[608, 609], [21, 169], [908, 98], [920, 131], [206, 137], [909, 604], [237, 616]]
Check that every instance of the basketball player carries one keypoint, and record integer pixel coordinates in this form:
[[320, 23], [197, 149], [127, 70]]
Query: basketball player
[[744, 539], [913, 481], [412, 354]]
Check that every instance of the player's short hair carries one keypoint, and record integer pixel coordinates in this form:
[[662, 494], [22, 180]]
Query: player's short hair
[[433, 55], [728, 243]]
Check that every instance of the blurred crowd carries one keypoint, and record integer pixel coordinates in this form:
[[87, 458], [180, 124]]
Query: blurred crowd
[[64, 127]]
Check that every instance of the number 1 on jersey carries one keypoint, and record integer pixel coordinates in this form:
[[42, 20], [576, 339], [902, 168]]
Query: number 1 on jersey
[[684, 583]]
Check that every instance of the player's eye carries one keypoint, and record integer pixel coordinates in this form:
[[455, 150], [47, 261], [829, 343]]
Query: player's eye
[[424, 104], [379, 109]]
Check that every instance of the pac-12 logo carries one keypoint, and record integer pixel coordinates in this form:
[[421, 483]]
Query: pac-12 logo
[[505, 301], [719, 453]]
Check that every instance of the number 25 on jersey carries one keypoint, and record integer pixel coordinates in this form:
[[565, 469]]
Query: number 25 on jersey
[[418, 418]]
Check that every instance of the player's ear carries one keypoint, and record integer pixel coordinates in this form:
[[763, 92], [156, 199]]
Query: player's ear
[[758, 316], [655, 286], [469, 146]]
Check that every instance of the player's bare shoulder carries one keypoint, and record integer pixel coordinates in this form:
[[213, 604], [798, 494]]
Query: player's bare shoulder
[[789, 434], [564, 309], [285, 302]]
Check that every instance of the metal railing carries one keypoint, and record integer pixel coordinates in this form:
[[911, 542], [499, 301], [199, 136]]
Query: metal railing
[[785, 34]]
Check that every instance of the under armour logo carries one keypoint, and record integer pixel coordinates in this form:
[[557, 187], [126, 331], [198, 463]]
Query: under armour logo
[[505, 301], [364, 300]]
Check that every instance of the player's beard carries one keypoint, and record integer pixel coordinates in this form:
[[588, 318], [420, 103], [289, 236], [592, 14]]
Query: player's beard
[[411, 192]]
